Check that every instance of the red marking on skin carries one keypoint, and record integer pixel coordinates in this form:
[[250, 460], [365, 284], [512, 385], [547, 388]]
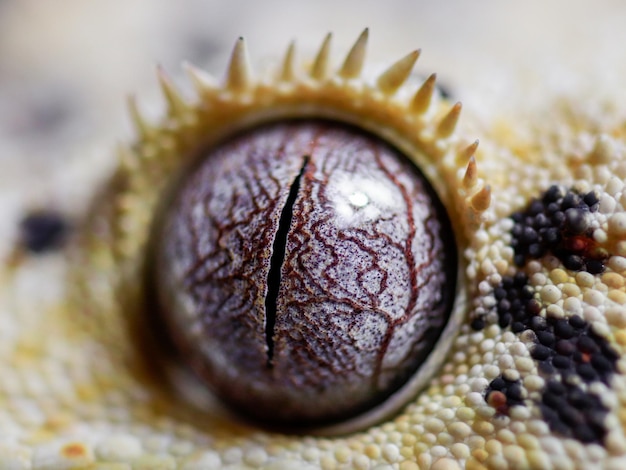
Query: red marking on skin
[[497, 400], [585, 246], [577, 243]]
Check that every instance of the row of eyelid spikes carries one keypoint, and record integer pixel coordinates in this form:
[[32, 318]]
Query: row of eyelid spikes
[[239, 79]]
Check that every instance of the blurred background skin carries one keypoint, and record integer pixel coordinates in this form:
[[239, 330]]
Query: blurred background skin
[[67, 66]]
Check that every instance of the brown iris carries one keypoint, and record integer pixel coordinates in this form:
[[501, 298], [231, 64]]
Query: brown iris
[[305, 270]]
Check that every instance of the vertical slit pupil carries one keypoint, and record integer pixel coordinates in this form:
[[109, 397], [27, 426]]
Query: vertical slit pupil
[[276, 262]]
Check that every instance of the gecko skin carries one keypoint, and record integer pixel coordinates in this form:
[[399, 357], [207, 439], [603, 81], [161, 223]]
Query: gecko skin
[[532, 375]]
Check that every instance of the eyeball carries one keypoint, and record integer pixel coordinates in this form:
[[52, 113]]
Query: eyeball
[[305, 269], [296, 235]]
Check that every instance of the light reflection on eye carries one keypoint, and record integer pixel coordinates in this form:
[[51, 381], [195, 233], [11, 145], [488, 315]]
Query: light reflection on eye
[[358, 199]]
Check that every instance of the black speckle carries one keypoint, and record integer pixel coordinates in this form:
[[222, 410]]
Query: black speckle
[[601, 363], [577, 322], [546, 368], [499, 293], [563, 329], [559, 222], [553, 194], [43, 231], [537, 323], [591, 199], [555, 388], [574, 262], [572, 412], [584, 434], [503, 393], [569, 201], [540, 352], [565, 348], [533, 307], [514, 393], [504, 319], [595, 266], [478, 324], [561, 362], [587, 345], [567, 351], [576, 221], [608, 351], [545, 337], [586, 372], [498, 384]]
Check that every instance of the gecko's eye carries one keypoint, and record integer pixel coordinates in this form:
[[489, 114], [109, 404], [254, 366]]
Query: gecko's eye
[[297, 237], [305, 269]]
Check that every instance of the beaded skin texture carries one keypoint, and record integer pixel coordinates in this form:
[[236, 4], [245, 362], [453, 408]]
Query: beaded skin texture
[[531, 375]]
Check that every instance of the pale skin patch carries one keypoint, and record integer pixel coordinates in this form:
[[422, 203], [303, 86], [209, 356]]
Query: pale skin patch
[[97, 380]]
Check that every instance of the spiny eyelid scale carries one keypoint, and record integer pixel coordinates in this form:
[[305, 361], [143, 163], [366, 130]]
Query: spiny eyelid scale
[[94, 382]]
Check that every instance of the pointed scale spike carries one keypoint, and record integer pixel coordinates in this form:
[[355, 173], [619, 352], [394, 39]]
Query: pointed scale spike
[[471, 174], [319, 71], [468, 152], [396, 75], [141, 125], [464, 154], [175, 102], [239, 71], [423, 96], [481, 200], [448, 123], [353, 65], [201, 80], [288, 69]]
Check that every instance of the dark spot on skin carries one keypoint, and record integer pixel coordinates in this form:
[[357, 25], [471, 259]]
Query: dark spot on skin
[[559, 223], [515, 304], [503, 393], [43, 231], [572, 412], [567, 350], [478, 323]]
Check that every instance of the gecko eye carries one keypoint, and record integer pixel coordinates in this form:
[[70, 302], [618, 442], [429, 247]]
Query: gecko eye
[[305, 269], [289, 241]]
